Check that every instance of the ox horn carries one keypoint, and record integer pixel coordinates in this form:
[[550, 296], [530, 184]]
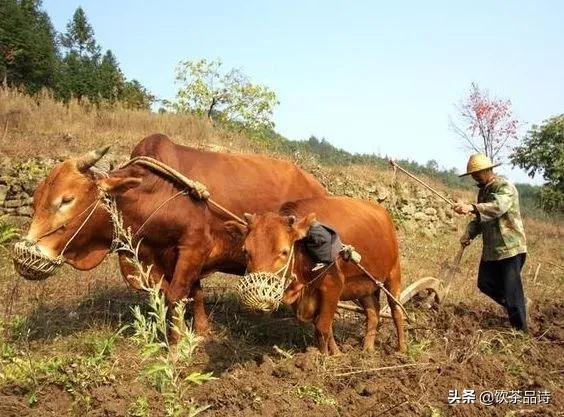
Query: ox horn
[[84, 162]]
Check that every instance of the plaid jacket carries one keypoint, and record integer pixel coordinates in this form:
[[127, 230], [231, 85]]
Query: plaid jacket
[[498, 219]]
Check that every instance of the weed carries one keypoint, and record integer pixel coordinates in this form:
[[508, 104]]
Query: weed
[[516, 369], [431, 411], [8, 231], [166, 366], [416, 349], [316, 394], [101, 348], [139, 408]]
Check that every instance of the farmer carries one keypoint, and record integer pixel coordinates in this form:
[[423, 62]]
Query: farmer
[[504, 249]]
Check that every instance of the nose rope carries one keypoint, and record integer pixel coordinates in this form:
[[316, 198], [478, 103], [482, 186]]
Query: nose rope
[[97, 203], [288, 266], [50, 232]]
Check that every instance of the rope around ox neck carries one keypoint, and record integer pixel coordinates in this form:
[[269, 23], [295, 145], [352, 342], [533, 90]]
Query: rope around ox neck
[[195, 188]]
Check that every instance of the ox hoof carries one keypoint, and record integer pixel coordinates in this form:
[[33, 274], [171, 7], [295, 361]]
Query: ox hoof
[[368, 349], [335, 352], [201, 328]]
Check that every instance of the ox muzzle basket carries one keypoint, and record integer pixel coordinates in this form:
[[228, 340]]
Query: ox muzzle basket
[[261, 291], [30, 263]]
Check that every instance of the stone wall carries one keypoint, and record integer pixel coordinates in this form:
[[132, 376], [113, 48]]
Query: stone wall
[[412, 207], [18, 180]]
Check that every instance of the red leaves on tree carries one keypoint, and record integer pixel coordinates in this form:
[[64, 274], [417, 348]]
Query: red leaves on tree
[[488, 124]]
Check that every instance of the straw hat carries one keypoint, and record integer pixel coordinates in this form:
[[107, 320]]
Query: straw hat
[[478, 162]]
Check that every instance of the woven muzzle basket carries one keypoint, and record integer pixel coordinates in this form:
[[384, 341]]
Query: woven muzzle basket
[[31, 264], [261, 291]]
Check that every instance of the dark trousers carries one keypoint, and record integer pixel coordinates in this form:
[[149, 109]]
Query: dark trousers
[[501, 280]]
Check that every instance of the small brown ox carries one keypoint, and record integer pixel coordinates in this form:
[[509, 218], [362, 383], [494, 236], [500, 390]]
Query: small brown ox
[[366, 226], [184, 239]]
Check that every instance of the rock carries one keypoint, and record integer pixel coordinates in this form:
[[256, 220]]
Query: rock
[[428, 232], [16, 188], [18, 221], [441, 214], [25, 211], [430, 211], [410, 226], [3, 193], [13, 203], [29, 186], [408, 209], [419, 216], [382, 194]]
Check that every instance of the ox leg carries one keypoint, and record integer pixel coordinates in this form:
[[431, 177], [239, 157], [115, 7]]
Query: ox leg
[[372, 316], [333, 348], [199, 315], [393, 285], [186, 274], [330, 292]]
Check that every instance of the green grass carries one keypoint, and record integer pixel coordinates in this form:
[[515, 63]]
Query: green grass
[[316, 394]]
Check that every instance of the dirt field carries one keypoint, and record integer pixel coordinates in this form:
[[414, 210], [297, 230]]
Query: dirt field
[[59, 356]]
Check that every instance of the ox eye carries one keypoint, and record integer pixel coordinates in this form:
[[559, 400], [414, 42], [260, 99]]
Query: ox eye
[[67, 199], [285, 252]]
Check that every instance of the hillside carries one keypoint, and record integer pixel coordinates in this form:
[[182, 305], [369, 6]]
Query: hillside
[[60, 354]]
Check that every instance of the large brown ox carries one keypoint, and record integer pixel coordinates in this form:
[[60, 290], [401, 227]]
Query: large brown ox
[[366, 226], [185, 239]]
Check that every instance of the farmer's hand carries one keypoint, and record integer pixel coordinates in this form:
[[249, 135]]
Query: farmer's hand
[[463, 208], [465, 240]]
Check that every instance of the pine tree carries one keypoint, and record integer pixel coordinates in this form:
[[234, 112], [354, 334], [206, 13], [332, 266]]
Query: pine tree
[[135, 96], [78, 76], [28, 52], [110, 78], [79, 37]]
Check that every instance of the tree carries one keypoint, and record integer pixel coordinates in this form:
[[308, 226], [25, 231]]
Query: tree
[[79, 37], [486, 125], [542, 151], [78, 74], [111, 82], [135, 96], [28, 51], [432, 165], [224, 96]]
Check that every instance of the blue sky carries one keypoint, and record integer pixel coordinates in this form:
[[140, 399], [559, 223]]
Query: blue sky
[[376, 77]]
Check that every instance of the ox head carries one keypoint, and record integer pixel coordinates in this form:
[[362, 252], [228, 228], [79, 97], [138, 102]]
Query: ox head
[[270, 238], [269, 248], [66, 215]]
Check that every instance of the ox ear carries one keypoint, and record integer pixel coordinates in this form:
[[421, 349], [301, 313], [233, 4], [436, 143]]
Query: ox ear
[[302, 226], [235, 229], [114, 185]]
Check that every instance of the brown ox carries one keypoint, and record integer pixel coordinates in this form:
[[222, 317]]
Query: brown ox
[[368, 227], [185, 239]]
